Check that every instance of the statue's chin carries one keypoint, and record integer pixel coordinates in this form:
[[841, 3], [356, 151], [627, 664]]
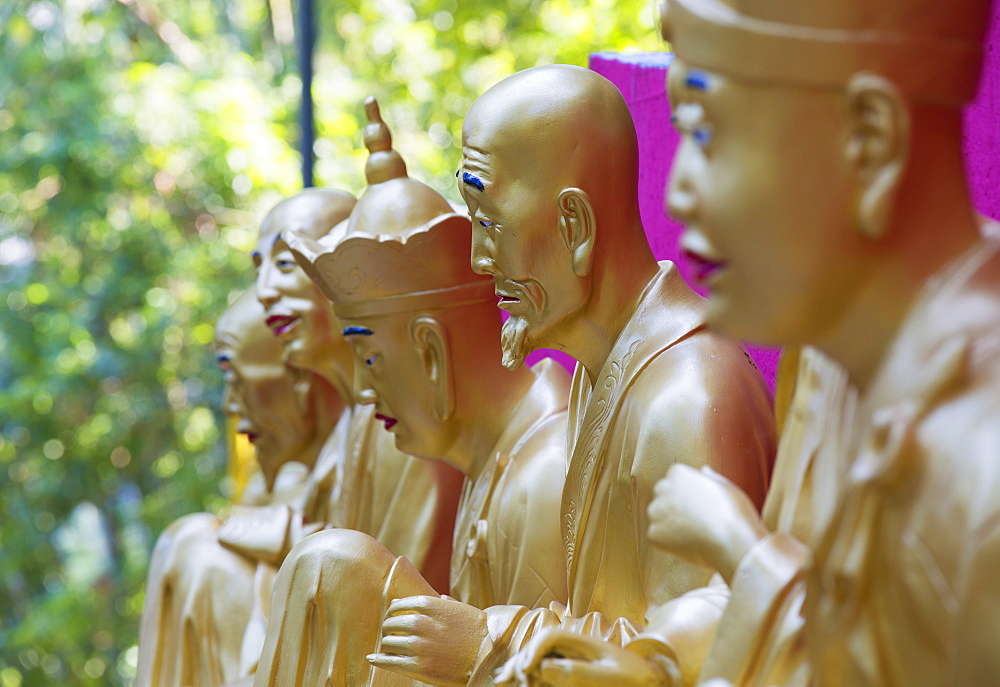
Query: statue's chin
[[514, 342]]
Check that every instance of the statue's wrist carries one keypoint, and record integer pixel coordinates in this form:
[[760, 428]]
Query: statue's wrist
[[735, 551]]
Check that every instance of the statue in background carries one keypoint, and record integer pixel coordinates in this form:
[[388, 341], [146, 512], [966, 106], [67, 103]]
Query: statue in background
[[550, 176], [425, 337], [200, 594], [858, 239], [362, 481]]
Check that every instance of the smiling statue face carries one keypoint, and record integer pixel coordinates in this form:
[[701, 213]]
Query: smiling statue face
[[261, 390], [390, 372], [761, 183], [296, 312], [515, 240]]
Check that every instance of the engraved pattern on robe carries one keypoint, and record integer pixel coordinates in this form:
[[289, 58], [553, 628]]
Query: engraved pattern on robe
[[653, 405]]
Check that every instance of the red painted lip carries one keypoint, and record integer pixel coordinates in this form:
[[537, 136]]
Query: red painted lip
[[703, 269], [251, 437], [279, 324], [389, 421]]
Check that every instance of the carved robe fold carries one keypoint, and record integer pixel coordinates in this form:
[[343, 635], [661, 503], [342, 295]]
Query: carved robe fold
[[903, 589], [670, 391], [899, 508], [210, 583]]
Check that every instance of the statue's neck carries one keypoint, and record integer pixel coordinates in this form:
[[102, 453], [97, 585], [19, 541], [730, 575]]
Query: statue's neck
[[327, 405], [483, 417], [620, 282], [933, 226], [338, 370]]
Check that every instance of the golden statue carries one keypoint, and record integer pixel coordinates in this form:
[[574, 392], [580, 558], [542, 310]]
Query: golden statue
[[425, 336], [899, 586], [361, 481], [859, 239], [200, 594], [549, 174]]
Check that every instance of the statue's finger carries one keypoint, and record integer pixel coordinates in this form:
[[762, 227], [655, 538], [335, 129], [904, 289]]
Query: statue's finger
[[402, 624], [553, 672], [402, 645], [410, 604], [392, 662]]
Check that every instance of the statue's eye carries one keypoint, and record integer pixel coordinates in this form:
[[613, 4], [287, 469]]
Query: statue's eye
[[371, 361], [485, 223]]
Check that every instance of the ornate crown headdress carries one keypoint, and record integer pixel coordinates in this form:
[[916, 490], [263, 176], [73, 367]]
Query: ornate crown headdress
[[402, 249]]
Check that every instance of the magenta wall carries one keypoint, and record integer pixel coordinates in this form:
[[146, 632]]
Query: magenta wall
[[640, 78], [982, 129]]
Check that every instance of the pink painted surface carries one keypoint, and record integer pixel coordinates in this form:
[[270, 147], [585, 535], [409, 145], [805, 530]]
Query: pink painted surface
[[640, 77], [982, 128]]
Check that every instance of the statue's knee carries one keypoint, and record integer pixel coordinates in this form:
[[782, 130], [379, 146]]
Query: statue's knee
[[340, 552], [192, 527]]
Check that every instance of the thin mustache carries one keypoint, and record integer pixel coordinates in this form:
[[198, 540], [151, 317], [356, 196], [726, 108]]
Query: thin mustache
[[531, 290]]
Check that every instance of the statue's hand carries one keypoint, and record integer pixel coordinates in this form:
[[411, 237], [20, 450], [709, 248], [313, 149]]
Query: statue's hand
[[431, 639], [557, 657], [702, 516]]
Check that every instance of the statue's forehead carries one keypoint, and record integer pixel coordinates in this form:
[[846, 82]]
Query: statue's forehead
[[224, 344], [477, 157], [268, 241]]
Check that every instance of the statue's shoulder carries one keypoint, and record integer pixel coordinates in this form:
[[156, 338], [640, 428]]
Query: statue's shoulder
[[537, 466], [704, 368]]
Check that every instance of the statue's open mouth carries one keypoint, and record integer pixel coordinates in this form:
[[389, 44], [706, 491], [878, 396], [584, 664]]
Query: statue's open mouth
[[389, 421], [702, 268], [279, 324]]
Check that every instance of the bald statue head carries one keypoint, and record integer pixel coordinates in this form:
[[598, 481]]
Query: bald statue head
[[298, 314], [267, 396], [549, 173], [312, 212]]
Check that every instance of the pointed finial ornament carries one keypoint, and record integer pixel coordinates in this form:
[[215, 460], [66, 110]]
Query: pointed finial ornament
[[384, 163]]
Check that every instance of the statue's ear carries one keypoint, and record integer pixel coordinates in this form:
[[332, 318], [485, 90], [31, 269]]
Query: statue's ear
[[578, 227], [431, 340], [878, 149]]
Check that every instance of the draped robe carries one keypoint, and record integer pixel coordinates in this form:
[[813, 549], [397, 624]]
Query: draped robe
[[670, 391], [209, 588], [333, 590], [882, 571]]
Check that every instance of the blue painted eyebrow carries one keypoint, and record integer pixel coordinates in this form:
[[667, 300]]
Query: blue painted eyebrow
[[473, 180], [277, 237], [699, 81], [223, 359], [357, 331]]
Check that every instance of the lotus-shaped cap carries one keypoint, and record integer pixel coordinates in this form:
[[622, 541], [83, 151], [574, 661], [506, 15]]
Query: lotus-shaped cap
[[402, 248]]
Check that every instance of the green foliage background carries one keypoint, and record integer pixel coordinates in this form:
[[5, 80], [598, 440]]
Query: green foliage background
[[140, 143]]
